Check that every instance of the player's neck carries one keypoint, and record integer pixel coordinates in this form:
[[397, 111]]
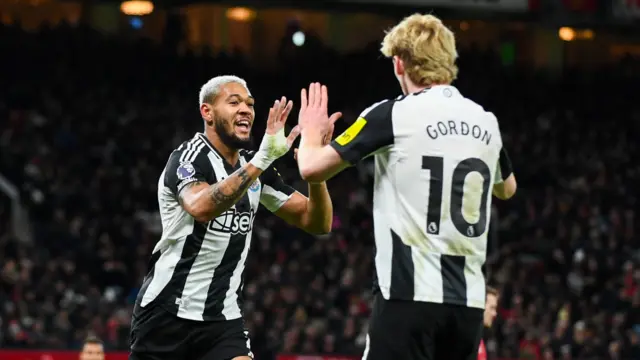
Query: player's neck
[[229, 154], [413, 88]]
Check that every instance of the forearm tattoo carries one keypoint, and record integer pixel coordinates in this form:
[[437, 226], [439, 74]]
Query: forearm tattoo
[[227, 192]]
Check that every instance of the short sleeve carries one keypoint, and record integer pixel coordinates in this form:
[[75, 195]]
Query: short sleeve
[[504, 168], [372, 131], [274, 191], [185, 167]]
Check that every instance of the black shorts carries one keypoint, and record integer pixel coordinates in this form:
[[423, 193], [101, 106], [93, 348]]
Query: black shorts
[[411, 330], [159, 335]]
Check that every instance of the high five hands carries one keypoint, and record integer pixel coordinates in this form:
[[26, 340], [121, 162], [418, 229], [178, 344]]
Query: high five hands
[[274, 142], [314, 117]]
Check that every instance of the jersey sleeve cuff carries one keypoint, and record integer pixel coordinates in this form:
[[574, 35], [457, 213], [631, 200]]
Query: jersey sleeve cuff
[[273, 199], [344, 153], [183, 183], [506, 169]]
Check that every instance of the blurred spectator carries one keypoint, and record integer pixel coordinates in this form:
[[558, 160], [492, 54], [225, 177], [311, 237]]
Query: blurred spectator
[[92, 349]]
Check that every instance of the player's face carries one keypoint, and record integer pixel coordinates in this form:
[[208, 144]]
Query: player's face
[[92, 352], [232, 115], [490, 310]]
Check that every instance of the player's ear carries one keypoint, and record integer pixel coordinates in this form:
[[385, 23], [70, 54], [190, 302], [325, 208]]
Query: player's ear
[[206, 111]]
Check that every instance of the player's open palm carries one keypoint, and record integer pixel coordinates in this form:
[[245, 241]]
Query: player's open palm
[[274, 142], [314, 114], [278, 115]]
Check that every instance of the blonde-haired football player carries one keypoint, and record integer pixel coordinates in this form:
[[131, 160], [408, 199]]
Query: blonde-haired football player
[[438, 158], [423, 52]]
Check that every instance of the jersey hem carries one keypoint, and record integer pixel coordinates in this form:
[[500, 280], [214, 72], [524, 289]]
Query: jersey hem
[[171, 310], [344, 154], [220, 318], [470, 303]]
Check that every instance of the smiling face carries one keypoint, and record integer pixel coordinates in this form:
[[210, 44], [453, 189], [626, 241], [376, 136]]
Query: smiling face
[[231, 114]]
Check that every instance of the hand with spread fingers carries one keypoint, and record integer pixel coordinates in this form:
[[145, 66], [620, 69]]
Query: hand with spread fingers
[[314, 117], [274, 143]]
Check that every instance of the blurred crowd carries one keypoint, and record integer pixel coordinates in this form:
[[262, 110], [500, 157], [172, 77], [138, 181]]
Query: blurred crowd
[[89, 121]]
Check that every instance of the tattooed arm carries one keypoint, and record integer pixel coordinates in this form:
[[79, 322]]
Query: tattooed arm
[[205, 202]]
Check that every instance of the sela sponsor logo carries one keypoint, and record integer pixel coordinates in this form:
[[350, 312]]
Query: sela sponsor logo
[[234, 222]]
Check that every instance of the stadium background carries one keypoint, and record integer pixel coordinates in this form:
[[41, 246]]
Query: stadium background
[[95, 94]]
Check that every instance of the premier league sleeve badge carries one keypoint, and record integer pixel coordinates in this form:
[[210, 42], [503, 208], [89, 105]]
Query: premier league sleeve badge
[[185, 171]]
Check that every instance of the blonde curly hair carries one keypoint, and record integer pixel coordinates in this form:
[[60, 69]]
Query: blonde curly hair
[[427, 48]]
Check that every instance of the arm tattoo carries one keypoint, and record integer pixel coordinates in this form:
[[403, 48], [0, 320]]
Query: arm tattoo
[[227, 192], [221, 195], [189, 185]]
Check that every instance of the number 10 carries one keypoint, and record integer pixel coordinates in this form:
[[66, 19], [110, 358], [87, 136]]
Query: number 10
[[435, 165]]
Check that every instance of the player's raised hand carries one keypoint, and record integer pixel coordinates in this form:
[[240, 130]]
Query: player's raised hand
[[314, 114], [274, 143], [278, 115]]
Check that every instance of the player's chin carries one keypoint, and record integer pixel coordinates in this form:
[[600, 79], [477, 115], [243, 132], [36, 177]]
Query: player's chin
[[242, 133], [243, 139]]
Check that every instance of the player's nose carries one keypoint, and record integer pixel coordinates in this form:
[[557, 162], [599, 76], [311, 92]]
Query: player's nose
[[245, 112], [244, 107]]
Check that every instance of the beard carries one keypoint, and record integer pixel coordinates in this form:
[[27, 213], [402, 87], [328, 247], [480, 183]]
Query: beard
[[228, 137]]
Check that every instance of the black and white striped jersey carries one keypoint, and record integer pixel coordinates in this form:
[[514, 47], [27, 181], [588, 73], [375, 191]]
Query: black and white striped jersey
[[196, 269], [436, 159]]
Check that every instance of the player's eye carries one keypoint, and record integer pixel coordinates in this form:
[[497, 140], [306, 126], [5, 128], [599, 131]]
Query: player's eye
[[234, 102]]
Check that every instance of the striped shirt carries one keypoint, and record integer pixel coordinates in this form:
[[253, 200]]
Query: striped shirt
[[437, 156], [196, 269]]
